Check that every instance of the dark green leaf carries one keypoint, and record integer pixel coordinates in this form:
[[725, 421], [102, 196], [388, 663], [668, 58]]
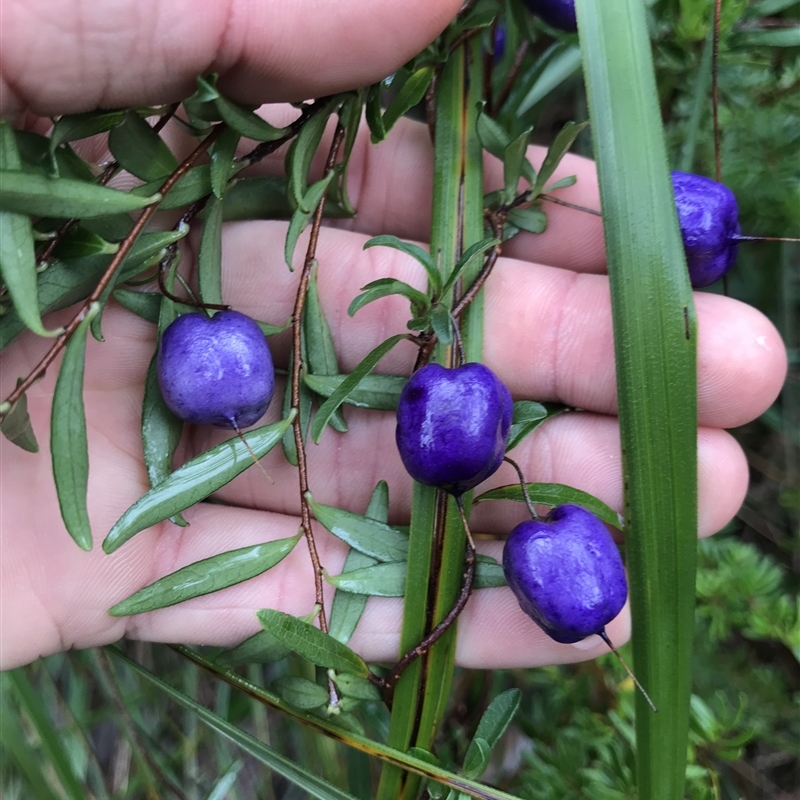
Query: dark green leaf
[[207, 576], [780, 37], [563, 62], [531, 220], [81, 242], [68, 443], [350, 117], [112, 228], [441, 323], [411, 93], [209, 257], [222, 164], [554, 494], [379, 392], [496, 140], [563, 183], [311, 643], [477, 758], [527, 416], [71, 165], [350, 383], [16, 426], [194, 481], [260, 648], [375, 539], [300, 218], [81, 126], [37, 195], [557, 150], [513, 160], [300, 692], [357, 688], [246, 122], [498, 716], [374, 113], [140, 150], [463, 263], [413, 250], [301, 155], [196, 183], [319, 342], [263, 197], [385, 287], [144, 304], [273, 330]]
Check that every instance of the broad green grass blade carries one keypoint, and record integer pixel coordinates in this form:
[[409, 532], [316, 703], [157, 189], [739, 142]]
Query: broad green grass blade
[[655, 342]]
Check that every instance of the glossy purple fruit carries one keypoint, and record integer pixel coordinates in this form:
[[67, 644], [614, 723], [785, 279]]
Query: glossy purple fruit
[[216, 371], [566, 573], [709, 220], [452, 425], [558, 13]]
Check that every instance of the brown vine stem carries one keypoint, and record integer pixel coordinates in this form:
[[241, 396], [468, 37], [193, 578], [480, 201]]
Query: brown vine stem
[[559, 202], [125, 245], [297, 367], [510, 80]]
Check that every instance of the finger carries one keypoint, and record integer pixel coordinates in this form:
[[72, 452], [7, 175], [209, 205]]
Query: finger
[[549, 331], [62, 56]]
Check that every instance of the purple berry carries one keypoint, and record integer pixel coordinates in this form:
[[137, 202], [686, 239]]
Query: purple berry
[[566, 573], [452, 425], [557, 13], [709, 220], [216, 371]]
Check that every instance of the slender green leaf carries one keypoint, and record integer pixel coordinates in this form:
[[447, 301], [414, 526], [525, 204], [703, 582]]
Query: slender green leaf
[[68, 444], [467, 260], [302, 153], [246, 122], [196, 183], [441, 323], [222, 164], [413, 250], [374, 113], [209, 257], [260, 648], [350, 117], [513, 159], [775, 37], [561, 65], [357, 688], [140, 150], [368, 536], [301, 218], [411, 93], [206, 576], [531, 220], [195, 481], [498, 716], [562, 183], [16, 426], [379, 392], [81, 242], [300, 692], [527, 417], [384, 287], [497, 140], [477, 758], [37, 195], [656, 361], [557, 150], [554, 494], [81, 126], [144, 304], [311, 643], [351, 383], [17, 255]]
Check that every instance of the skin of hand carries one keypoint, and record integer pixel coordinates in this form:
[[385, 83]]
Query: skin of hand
[[548, 337]]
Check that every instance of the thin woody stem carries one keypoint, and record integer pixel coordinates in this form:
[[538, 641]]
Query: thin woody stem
[[559, 202], [124, 248]]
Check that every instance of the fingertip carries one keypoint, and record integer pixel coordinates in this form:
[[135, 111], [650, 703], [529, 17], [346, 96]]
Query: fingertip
[[723, 477]]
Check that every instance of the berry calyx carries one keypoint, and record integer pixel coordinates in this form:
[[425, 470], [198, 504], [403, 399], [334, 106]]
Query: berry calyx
[[709, 221], [452, 425], [566, 573], [216, 371]]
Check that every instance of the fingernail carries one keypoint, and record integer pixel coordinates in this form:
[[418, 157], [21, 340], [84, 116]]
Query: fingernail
[[589, 643]]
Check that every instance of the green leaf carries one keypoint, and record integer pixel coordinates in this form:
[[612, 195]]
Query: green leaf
[[350, 384], [557, 150], [81, 126], [300, 218], [527, 417], [494, 138], [498, 716], [37, 195], [563, 183], [378, 392], [466, 260], [311, 643], [207, 576], [413, 250], [357, 688], [144, 304], [384, 287], [81, 242], [140, 150], [513, 161], [222, 164], [411, 93], [441, 323], [554, 494], [246, 122], [302, 153], [561, 64], [374, 113], [260, 648], [301, 693], [531, 220], [16, 426], [306, 400], [350, 117], [209, 257], [477, 758], [781, 37], [655, 339], [68, 443], [375, 539], [195, 184], [194, 481], [17, 255]]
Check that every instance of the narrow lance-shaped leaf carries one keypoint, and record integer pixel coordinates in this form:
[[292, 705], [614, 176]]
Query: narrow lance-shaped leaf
[[222, 165], [413, 250], [140, 150], [383, 287], [17, 255], [37, 195], [513, 160], [466, 260], [16, 426], [196, 183], [378, 392], [492, 726], [528, 415], [311, 643], [301, 692], [302, 152], [80, 126], [411, 93], [195, 481], [209, 257], [81, 242], [561, 64], [206, 576], [260, 648], [68, 443], [301, 218], [557, 150], [350, 117], [350, 383]]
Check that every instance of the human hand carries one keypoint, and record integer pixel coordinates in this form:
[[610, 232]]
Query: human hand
[[549, 338]]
